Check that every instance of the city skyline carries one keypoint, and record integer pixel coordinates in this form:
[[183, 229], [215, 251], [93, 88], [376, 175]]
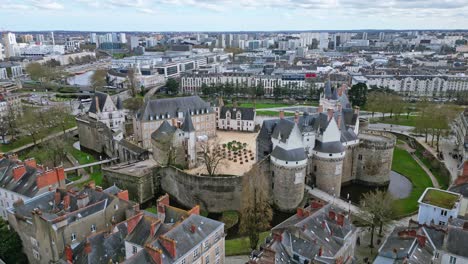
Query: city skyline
[[243, 15]]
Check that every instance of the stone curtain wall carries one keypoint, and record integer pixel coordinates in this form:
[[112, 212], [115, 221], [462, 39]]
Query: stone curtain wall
[[213, 194]]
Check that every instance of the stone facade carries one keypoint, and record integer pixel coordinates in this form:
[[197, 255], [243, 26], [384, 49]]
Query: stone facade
[[327, 173], [372, 160], [287, 196], [137, 178]]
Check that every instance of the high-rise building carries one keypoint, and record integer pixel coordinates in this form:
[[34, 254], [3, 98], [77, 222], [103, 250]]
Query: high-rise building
[[323, 41], [229, 39], [364, 35], [2, 53], [27, 38], [115, 38], [381, 36], [221, 41], [93, 38], [9, 39], [39, 38], [123, 38], [52, 38], [108, 38], [134, 42]]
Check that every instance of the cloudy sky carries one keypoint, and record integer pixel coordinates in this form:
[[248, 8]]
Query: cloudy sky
[[231, 15]]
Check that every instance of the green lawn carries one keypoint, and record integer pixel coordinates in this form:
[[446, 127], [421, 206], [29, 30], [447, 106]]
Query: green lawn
[[272, 113], [402, 120], [404, 164], [436, 168], [24, 139], [241, 246], [230, 219]]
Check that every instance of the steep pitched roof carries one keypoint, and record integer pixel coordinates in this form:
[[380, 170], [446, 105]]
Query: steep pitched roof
[[187, 125], [163, 131], [98, 102], [119, 103], [289, 155]]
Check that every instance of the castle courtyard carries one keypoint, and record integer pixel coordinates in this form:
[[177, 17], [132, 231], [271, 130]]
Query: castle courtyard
[[234, 165]]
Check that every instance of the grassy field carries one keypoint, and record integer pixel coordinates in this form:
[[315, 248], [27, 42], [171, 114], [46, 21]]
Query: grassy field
[[272, 113], [404, 164], [402, 120], [435, 167], [241, 246]]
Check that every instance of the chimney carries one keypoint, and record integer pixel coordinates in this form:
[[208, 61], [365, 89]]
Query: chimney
[[99, 188], [88, 249], [2, 155], [338, 120], [331, 215], [320, 109], [82, 200], [162, 202], [57, 197], [465, 226], [18, 172], [340, 107], [155, 253], [340, 220], [316, 204], [421, 240], [66, 202], [356, 110], [281, 114], [320, 251], [330, 113], [92, 185], [31, 163], [60, 173], [296, 117], [123, 195], [69, 254], [169, 244], [18, 203], [96, 98], [193, 228], [174, 122], [195, 210], [133, 222], [324, 225], [277, 237], [300, 212], [154, 226]]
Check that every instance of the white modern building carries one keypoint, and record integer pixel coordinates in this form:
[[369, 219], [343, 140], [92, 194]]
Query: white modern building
[[438, 207]]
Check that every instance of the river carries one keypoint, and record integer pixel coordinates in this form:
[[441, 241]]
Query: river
[[83, 79]]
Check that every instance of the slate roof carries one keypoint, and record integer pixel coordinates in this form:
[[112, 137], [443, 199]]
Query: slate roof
[[283, 129], [119, 103], [26, 185], [101, 98], [457, 241], [305, 234], [132, 147], [289, 155], [187, 125], [328, 147], [186, 240], [164, 131], [461, 189], [247, 113], [170, 107], [142, 257]]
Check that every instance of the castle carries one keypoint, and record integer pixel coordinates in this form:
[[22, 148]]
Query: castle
[[326, 149]]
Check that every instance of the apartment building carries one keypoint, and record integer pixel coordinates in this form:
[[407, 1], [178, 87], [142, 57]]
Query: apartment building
[[155, 112], [9, 102], [51, 223], [21, 181], [417, 85], [171, 235]]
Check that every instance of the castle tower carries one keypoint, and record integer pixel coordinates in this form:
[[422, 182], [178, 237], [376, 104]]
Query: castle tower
[[328, 155], [288, 166], [189, 133]]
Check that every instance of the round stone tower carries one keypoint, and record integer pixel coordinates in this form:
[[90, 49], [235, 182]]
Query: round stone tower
[[373, 158], [327, 166], [288, 177]]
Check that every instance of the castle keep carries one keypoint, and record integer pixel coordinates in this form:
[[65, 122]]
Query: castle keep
[[326, 149]]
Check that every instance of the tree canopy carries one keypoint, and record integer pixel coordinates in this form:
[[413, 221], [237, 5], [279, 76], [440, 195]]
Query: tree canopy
[[358, 94]]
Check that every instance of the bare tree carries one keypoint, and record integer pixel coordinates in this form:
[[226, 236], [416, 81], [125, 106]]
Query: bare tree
[[377, 206], [98, 79], [31, 123], [256, 212], [212, 155]]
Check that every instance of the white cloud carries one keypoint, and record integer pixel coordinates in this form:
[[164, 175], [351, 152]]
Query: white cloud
[[47, 4]]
